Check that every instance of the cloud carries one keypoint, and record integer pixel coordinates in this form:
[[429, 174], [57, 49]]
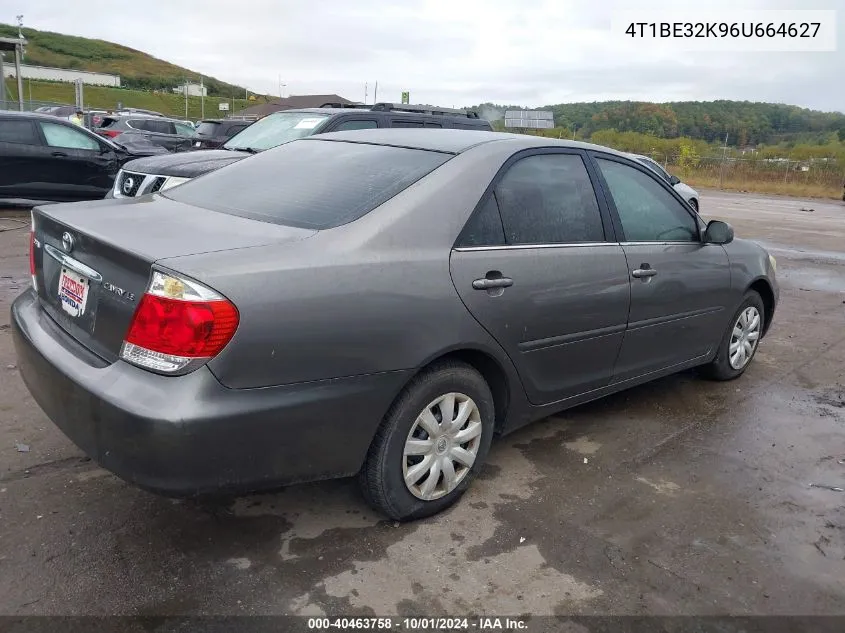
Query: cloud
[[451, 53]]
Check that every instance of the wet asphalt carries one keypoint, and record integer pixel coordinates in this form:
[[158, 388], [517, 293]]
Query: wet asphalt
[[682, 496]]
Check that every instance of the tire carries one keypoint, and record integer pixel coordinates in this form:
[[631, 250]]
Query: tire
[[694, 204], [721, 367], [383, 476]]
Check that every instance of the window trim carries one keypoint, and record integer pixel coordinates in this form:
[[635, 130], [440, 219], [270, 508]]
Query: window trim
[[594, 156], [608, 227]]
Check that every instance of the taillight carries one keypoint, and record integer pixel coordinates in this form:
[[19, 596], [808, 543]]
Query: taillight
[[32, 255], [109, 133], [179, 322]]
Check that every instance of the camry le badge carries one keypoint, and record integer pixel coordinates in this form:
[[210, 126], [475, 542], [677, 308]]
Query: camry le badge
[[67, 242]]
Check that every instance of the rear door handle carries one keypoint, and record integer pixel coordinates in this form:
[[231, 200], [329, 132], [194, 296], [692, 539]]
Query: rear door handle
[[487, 284], [59, 154], [641, 273]]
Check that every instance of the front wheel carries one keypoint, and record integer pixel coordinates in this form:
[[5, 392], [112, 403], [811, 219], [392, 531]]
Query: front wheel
[[739, 343], [431, 443]]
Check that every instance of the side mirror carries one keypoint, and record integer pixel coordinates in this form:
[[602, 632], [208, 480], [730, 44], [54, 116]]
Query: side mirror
[[718, 232], [673, 180]]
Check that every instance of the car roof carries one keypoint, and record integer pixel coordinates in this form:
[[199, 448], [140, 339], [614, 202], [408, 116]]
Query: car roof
[[30, 115], [451, 141]]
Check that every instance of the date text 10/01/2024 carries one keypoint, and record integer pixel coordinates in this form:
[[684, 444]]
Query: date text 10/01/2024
[[419, 624]]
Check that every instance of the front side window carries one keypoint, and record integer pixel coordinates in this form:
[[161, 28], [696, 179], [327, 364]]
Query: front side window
[[647, 211], [64, 136], [549, 199], [275, 129], [183, 129]]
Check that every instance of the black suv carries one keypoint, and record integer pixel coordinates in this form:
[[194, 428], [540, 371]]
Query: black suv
[[212, 133], [157, 173]]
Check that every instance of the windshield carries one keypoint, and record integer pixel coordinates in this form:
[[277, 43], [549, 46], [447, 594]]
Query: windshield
[[207, 128], [276, 129]]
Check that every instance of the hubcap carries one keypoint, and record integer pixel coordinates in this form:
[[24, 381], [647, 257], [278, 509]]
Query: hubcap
[[744, 337], [441, 446]]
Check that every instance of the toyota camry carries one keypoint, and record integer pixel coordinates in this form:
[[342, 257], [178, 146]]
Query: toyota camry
[[378, 303]]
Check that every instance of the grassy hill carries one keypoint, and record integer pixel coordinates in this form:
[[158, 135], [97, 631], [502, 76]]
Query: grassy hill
[[136, 69], [102, 97]]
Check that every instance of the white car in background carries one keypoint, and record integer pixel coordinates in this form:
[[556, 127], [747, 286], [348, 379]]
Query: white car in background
[[686, 192]]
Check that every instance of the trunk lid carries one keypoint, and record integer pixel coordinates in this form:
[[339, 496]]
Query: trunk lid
[[93, 259]]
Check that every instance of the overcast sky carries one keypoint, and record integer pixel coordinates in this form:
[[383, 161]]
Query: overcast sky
[[448, 52]]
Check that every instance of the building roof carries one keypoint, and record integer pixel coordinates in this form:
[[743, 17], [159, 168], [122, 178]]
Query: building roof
[[290, 103]]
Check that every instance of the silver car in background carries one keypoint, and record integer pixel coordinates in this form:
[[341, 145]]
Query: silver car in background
[[685, 191]]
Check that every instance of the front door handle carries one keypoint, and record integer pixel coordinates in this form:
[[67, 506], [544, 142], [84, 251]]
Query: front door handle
[[489, 284], [643, 273], [59, 154]]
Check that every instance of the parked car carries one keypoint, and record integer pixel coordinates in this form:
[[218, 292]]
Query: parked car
[[281, 127], [44, 158], [377, 302], [138, 111], [171, 134], [212, 133], [686, 192]]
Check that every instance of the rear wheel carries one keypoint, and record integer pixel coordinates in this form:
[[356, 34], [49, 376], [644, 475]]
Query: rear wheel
[[431, 443], [739, 343]]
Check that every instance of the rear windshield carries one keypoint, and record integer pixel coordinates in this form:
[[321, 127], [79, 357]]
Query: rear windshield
[[310, 184], [207, 128], [275, 129]]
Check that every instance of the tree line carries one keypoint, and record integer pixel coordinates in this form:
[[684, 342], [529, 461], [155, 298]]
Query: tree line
[[745, 123]]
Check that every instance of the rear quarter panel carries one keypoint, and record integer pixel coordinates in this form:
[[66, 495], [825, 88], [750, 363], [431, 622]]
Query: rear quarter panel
[[373, 296]]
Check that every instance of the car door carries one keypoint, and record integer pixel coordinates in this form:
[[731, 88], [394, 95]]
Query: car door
[[23, 159], [539, 268], [680, 286], [81, 166]]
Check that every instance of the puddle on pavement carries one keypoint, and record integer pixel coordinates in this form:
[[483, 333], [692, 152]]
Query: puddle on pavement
[[822, 279]]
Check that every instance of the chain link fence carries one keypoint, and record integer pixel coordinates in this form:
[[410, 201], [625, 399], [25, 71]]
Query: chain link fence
[[816, 176]]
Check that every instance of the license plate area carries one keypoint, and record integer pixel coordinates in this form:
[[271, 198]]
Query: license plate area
[[73, 292]]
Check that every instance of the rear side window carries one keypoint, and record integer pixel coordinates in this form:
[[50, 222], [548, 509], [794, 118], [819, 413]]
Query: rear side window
[[310, 184], [549, 199], [208, 128], [406, 124], [139, 124], [484, 227], [433, 124], [356, 125], [18, 132]]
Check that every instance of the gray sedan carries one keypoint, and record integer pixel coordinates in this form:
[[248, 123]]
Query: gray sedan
[[377, 303]]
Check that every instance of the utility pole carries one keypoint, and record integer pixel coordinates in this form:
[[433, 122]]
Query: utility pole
[[186, 98], [365, 93], [375, 94], [202, 99], [724, 155]]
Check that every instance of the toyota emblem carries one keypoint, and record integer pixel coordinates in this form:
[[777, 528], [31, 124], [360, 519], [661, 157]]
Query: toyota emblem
[[127, 185], [67, 242]]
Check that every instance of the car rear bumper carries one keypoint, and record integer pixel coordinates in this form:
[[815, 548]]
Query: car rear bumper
[[189, 435]]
